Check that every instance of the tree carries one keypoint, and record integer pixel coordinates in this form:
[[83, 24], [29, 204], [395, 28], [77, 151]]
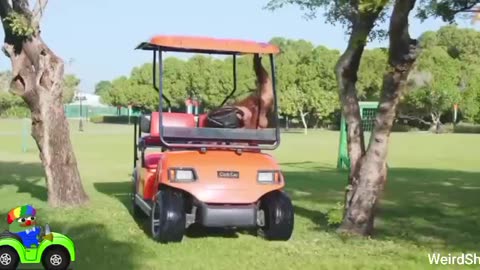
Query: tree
[[37, 76], [446, 74], [102, 87], [368, 172], [434, 86], [462, 45], [370, 79], [306, 81], [70, 87]]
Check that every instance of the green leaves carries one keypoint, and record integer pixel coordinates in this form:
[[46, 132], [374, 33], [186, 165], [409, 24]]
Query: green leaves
[[444, 9], [447, 73], [306, 79], [70, 86], [20, 24]]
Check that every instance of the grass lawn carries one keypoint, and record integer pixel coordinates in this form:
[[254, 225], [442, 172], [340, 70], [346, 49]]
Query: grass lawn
[[432, 204]]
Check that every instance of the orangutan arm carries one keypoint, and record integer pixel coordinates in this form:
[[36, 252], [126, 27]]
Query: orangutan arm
[[250, 105], [264, 83]]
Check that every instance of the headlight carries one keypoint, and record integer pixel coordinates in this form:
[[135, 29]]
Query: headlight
[[268, 176], [182, 175]]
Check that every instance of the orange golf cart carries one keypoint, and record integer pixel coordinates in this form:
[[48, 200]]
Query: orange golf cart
[[186, 172]]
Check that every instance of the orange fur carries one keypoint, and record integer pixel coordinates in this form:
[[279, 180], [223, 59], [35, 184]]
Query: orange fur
[[250, 105]]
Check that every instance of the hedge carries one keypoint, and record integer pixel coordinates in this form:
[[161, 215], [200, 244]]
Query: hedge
[[15, 112], [112, 119], [467, 128]]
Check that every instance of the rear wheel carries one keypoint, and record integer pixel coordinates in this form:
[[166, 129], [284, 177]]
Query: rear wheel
[[56, 258], [8, 258], [278, 212], [167, 220]]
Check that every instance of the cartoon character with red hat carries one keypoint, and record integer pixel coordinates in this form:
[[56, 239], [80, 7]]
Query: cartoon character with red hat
[[22, 222]]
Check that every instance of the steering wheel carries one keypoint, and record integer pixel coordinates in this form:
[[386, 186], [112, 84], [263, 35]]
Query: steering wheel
[[46, 234]]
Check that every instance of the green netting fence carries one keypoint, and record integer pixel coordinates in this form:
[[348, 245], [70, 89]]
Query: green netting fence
[[368, 112], [87, 111]]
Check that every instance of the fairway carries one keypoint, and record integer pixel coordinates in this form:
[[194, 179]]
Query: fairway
[[431, 204]]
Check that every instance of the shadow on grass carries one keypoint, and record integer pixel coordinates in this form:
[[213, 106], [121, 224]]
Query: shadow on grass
[[120, 191], [95, 249], [433, 208], [27, 177]]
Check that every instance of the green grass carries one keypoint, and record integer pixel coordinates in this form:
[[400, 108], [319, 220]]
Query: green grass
[[431, 204]]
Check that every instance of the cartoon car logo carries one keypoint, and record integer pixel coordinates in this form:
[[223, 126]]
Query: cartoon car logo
[[54, 251]]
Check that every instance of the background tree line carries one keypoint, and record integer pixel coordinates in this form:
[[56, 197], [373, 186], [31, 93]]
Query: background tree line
[[447, 73]]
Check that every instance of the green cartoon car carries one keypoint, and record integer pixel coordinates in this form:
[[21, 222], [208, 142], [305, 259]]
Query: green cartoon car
[[55, 252]]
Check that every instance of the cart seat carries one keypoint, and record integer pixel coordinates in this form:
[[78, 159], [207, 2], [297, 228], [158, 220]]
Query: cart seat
[[202, 120], [151, 160], [170, 120], [150, 124]]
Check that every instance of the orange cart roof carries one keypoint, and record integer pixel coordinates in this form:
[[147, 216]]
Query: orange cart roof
[[207, 45]]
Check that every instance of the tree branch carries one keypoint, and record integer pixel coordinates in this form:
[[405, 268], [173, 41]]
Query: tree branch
[[22, 7], [403, 49], [5, 8], [467, 8], [38, 13], [416, 118]]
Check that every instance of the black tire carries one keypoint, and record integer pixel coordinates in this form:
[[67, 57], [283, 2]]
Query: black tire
[[137, 212], [56, 258], [279, 216], [8, 258], [167, 220]]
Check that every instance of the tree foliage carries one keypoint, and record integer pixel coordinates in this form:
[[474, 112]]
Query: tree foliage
[[447, 73], [70, 87], [306, 80]]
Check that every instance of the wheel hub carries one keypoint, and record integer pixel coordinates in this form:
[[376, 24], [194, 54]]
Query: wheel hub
[[5, 259], [56, 260]]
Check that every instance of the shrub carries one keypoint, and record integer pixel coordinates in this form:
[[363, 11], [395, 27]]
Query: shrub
[[447, 128], [15, 112], [397, 127], [335, 215], [112, 119], [467, 128]]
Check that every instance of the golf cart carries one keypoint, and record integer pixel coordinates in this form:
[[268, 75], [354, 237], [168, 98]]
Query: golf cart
[[55, 252], [215, 177]]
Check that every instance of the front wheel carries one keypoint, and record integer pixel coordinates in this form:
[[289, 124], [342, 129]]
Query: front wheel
[[56, 258], [8, 258], [167, 220], [279, 217]]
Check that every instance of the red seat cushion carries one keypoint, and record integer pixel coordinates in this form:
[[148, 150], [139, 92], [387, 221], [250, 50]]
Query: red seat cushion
[[151, 160], [170, 120], [202, 120]]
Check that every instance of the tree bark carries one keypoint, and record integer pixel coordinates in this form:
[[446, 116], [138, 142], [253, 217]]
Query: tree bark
[[403, 51], [436, 123], [38, 79], [304, 122], [346, 71]]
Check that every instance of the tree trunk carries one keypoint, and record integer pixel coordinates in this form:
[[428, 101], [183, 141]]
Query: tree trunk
[[304, 122], [436, 123], [403, 51], [346, 71], [51, 132], [38, 79]]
